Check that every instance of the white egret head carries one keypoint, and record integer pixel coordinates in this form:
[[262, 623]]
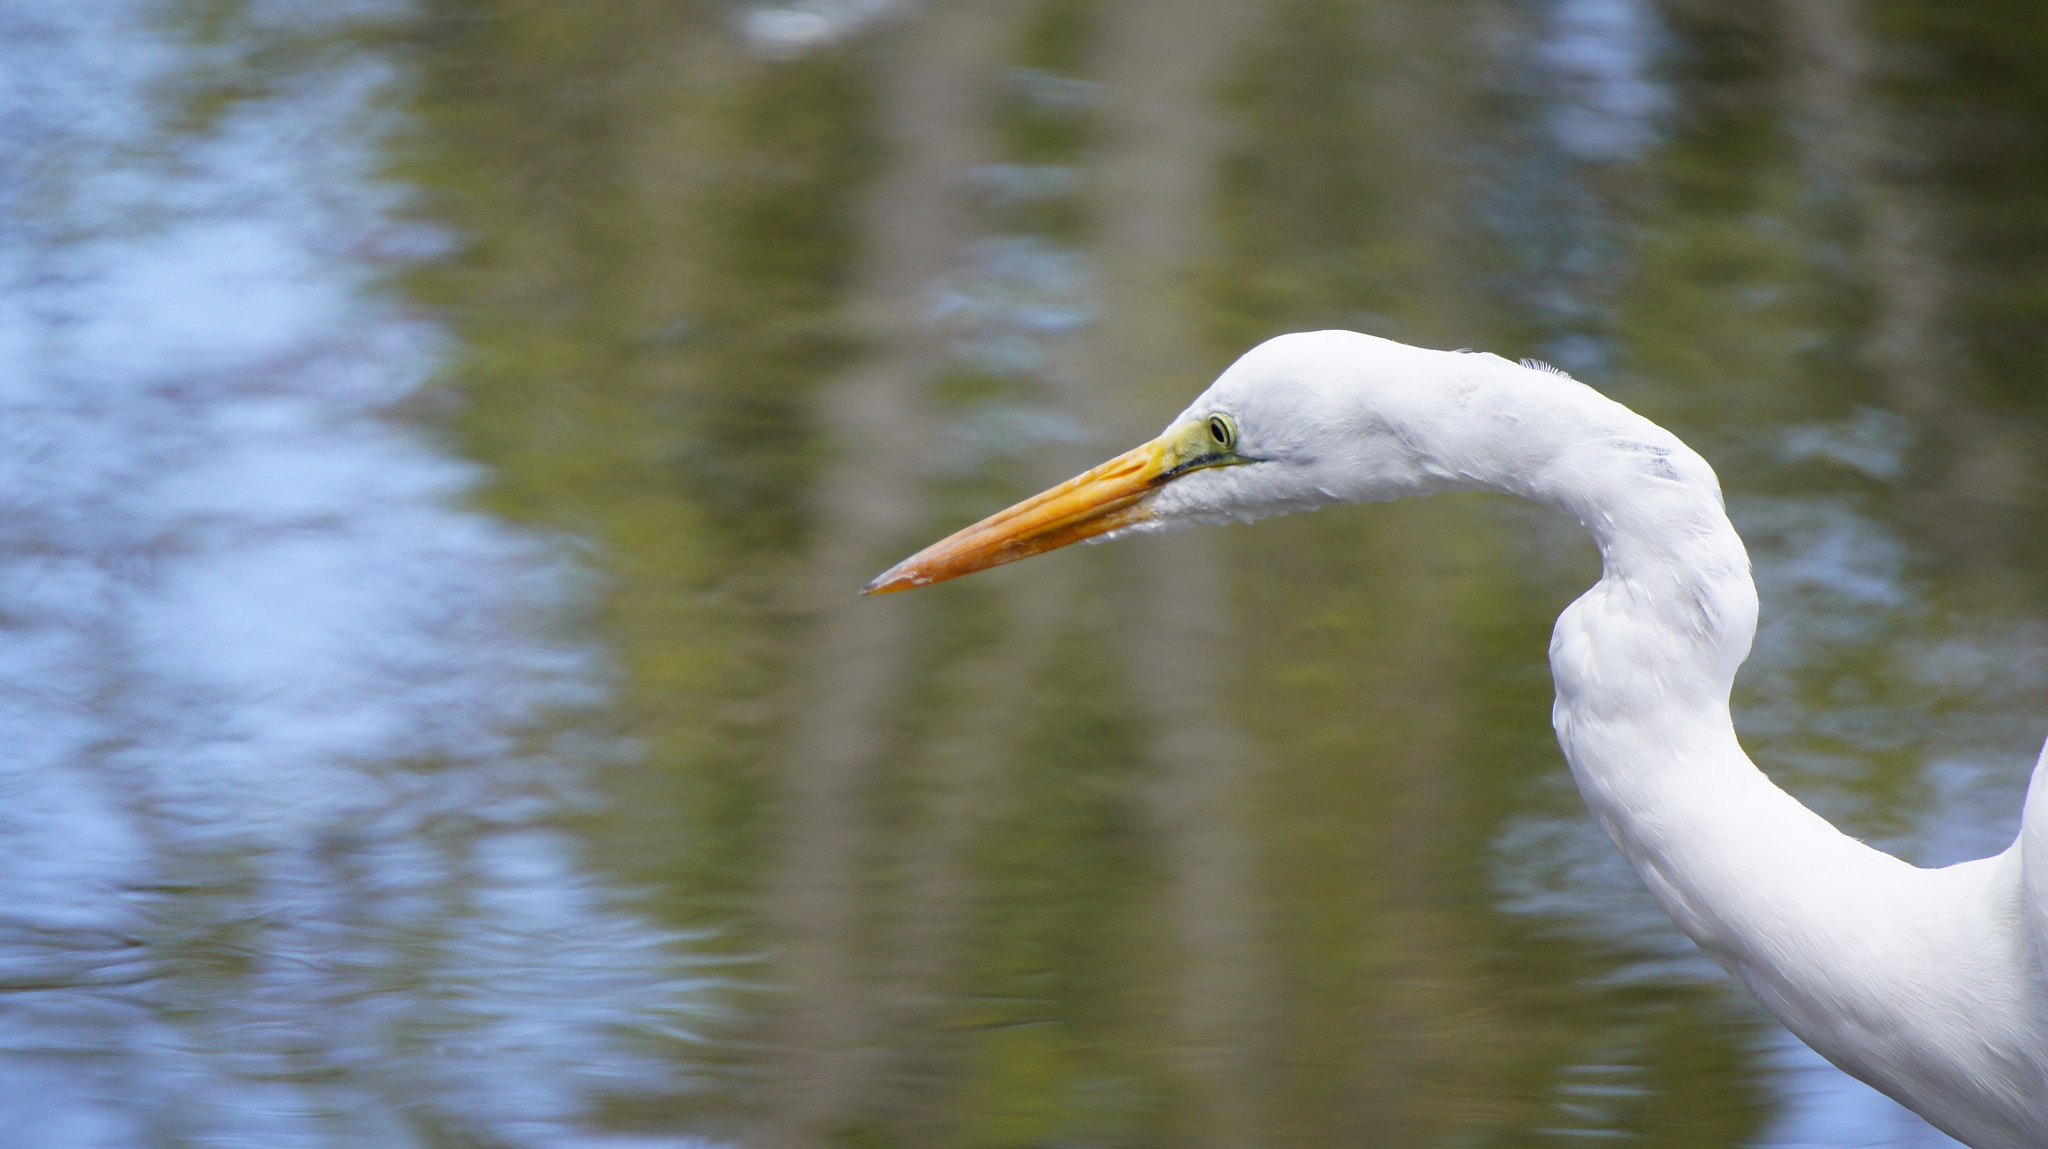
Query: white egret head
[[1298, 421]]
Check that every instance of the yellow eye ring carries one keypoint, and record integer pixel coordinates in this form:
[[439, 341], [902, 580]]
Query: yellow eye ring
[[1223, 432]]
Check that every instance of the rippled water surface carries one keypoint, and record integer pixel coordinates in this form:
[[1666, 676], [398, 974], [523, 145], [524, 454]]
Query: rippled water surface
[[443, 439]]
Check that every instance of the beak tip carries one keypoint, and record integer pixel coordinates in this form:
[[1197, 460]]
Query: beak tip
[[890, 581], [1107, 498]]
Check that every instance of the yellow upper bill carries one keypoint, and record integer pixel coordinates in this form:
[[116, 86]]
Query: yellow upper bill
[[1112, 495]]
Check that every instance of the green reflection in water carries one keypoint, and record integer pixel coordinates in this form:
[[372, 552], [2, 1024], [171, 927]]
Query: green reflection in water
[[1023, 915], [654, 236], [1394, 671]]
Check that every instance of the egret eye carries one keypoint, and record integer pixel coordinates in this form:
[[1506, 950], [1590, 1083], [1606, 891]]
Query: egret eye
[[1222, 432]]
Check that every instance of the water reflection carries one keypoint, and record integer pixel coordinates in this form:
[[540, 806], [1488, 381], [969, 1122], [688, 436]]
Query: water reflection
[[285, 854], [447, 437]]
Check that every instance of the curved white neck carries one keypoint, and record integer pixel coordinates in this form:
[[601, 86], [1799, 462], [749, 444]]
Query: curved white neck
[[1675, 610], [1855, 950], [1644, 661]]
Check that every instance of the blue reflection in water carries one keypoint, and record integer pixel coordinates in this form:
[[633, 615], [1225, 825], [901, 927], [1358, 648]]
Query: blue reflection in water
[[276, 843], [1011, 300], [788, 30], [1598, 54]]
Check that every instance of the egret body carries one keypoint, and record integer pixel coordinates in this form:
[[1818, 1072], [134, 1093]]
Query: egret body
[[1931, 985]]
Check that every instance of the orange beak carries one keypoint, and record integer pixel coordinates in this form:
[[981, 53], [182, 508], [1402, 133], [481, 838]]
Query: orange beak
[[1110, 496]]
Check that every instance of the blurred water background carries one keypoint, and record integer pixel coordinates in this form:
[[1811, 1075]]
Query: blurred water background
[[443, 439]]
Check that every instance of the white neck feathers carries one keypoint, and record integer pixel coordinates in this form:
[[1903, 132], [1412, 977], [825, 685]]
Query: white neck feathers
[[1675, 604], [1855, 950]]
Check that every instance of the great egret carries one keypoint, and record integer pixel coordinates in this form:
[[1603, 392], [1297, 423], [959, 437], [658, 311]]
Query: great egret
[[1929, 984]]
